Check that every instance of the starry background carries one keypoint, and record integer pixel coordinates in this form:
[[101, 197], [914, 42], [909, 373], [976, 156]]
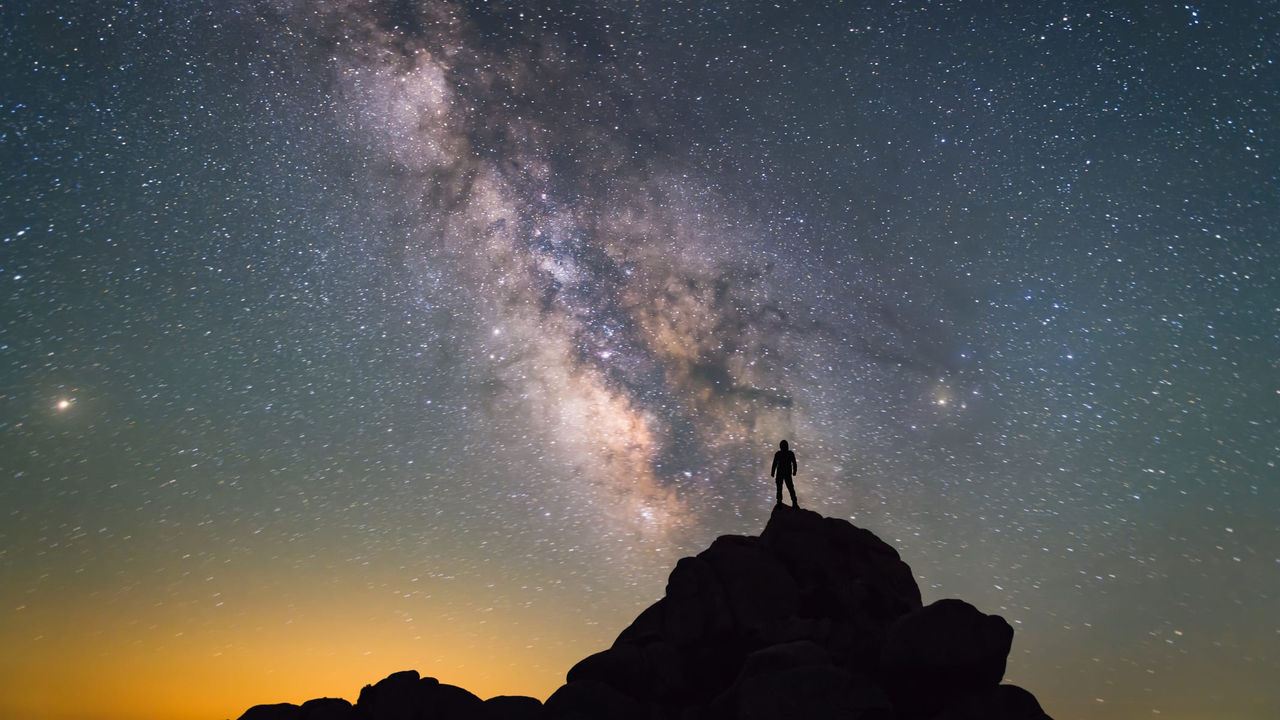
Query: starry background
[[348, 337]]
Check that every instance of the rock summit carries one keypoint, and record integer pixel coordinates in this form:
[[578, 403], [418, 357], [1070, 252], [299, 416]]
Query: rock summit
[[815, 618]]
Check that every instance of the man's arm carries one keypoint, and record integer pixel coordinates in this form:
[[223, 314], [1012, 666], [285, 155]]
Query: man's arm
[[795, 466], [774, 467]]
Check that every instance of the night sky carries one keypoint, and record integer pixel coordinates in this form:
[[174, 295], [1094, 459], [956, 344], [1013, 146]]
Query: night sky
[[342, 338]]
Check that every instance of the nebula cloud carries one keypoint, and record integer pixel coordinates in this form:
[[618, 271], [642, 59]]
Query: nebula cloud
[[621, 318], [611, 313]]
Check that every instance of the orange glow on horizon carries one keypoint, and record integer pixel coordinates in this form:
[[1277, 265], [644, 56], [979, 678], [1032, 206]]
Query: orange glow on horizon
[[91, 668]]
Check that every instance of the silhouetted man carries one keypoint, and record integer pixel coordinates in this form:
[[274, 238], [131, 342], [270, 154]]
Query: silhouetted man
[[784, 466]]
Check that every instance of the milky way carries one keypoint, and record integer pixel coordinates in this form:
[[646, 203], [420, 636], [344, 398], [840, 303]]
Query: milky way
[[342, 338], [639, 329]]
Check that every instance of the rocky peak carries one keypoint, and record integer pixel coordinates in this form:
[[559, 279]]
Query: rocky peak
[[814, 618]]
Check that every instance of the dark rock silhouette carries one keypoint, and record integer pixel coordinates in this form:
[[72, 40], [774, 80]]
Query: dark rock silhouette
[[279, 711], [405, 696], [511, 707], [935, 655], [815, 618], [318, 709]]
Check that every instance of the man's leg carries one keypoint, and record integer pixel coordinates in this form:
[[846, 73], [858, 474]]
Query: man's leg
[[779, 489], [791, 489]]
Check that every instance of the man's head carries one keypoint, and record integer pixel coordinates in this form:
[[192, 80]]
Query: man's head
[[783, 444]]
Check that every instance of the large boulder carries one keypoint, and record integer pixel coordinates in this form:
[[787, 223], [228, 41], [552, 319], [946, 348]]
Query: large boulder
[[398, 696], [592, 700], [798, 680], [327, 709], [941, 652], [695, 606], [758, 589], [277, 711], [317, 709], [841, 571], [808, 587], [455, 703], [623, 667], [511, 707], [406, 696]]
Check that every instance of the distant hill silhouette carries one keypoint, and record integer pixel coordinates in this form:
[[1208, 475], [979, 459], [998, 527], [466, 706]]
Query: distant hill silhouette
[[813, 619]]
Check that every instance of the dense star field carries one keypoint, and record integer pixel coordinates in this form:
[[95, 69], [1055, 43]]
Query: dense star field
[[341, 338]]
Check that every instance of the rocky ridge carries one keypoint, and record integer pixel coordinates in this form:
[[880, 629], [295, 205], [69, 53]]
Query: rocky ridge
[[815, 618]]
